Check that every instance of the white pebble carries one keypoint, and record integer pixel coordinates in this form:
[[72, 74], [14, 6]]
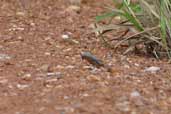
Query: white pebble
[[22, 86], [152, 69], [65, 36], [135, 94], [4, 57]]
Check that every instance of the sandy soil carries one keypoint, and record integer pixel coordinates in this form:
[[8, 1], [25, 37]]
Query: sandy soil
[[42, 73]]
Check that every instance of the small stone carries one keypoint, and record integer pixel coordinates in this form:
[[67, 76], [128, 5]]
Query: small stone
[[20, 38], [51, 80], [118, 18], [67, 50], [22, 86], [49, 83], [136, 64], [74, 8], [58, 75], [92, 26], [88, 67], [47, 53], [70, 67], [95, 70], [66, 97], [113, 70], [44, 67], [4, 57], [32, 24], [21, 73], [65, 36], [126, 66], [20, 13], [85, 95], [3, 81], [152, 69], [123, 106], [93, 78], [75, 41], [26, 77], [60, 67], [69, 39], [135, 94]]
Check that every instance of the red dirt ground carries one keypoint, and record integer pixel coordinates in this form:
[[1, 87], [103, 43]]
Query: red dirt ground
[[41, 73]]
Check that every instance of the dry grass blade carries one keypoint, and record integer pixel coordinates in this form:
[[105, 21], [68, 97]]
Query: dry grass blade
[[149, 9], [103, 28], [134, 35]]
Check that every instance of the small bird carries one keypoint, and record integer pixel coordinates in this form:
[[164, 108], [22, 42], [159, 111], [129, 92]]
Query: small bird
[[92, 59]]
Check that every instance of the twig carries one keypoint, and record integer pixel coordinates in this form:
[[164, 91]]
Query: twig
[[122, 35], [133, 36]]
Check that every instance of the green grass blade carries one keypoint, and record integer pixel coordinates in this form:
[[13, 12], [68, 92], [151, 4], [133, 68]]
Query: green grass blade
[[129, 14], [104, 16]]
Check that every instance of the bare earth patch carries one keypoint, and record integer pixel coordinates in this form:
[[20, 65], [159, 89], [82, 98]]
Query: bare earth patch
[[41, 70]]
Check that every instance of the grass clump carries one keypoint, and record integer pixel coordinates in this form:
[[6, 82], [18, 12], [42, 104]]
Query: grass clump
[[148, 21]]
